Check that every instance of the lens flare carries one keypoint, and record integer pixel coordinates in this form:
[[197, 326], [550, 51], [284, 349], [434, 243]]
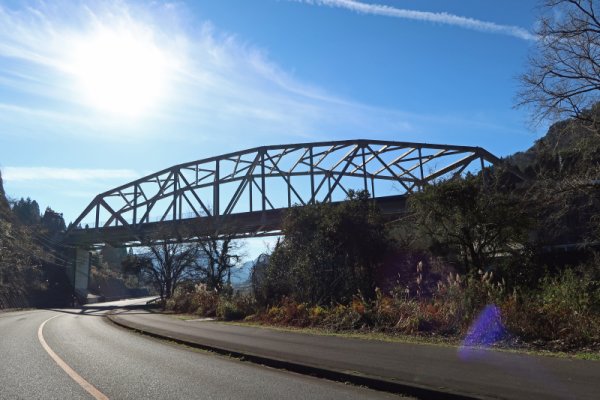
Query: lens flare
[[488, 330], [485, 331]]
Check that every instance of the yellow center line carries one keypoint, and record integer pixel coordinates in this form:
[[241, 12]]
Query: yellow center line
[[98, 395]]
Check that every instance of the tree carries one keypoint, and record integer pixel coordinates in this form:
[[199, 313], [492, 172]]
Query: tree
[[563, 78], [27, 211], [218, 256], [329, 252], [462, 219], [53, 221], [4, 205], [165, 264], [258, 277]]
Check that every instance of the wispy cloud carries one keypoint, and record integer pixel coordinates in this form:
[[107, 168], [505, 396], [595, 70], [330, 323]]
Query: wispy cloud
[[219, 88], [216, 85], [42, 174], [439, 17]]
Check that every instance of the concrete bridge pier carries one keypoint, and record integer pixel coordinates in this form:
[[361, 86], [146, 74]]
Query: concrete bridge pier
[[81, 271]]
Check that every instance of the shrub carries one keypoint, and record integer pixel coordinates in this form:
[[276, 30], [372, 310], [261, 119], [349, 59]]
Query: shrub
[[204, 301], [317, 314], [227, 310], [194, 299], [342, 318], [289, 312], [564, 311], [458, 300], [385, 310]]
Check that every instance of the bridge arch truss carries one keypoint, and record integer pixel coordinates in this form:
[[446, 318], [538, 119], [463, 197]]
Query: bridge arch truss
[[277, 177]]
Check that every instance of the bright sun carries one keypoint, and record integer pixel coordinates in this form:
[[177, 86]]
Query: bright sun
[[120, 72]]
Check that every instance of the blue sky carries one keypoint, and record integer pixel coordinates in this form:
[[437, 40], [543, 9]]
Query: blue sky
[[94, 94]]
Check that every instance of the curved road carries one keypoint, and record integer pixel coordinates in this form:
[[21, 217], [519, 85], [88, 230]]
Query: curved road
[[125, 365]]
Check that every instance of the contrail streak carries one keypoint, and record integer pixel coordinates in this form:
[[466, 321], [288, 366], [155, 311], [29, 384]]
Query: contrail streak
[[439, 17]]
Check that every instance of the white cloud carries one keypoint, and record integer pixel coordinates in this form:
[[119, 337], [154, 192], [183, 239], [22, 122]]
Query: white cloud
[[219, 87], [42, 174], [217, 84], [439, 17]]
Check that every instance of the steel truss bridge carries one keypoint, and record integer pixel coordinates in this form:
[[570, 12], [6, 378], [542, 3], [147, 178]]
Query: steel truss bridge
[[245, 193]]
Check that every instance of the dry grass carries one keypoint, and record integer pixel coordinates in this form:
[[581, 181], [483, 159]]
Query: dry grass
[[561, 316]]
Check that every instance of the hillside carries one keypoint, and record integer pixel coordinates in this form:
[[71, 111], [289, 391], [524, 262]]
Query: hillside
[[4, 207], [570, 148], [12, 258], [29, 273], [563, 171]]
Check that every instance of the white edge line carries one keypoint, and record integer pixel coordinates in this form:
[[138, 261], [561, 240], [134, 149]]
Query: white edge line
[[98, 395]]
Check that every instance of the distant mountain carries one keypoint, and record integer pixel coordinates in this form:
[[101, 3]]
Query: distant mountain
[[240, 276]]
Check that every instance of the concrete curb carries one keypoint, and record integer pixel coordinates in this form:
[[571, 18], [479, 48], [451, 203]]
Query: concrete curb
[[372, 382]]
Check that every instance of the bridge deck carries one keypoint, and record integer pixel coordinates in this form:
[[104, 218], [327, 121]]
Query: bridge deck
[[249, 224]]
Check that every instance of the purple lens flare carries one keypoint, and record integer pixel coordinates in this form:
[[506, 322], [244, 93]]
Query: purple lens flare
[[488, 329]]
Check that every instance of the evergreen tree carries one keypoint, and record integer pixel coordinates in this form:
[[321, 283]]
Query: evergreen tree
[[27, 211], [53, 221], [329, 253]]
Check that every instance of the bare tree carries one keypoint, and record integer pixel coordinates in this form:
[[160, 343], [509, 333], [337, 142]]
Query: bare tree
[[563, 78], [219, 255], [166, 264], [185, 254]]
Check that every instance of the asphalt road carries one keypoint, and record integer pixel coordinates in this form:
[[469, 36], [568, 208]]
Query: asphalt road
[[467, 371], [124, 365]]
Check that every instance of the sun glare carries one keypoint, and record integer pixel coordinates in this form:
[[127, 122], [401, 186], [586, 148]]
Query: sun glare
[[119, 72]]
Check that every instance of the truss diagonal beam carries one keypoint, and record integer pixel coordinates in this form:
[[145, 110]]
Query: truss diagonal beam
[[218, 187]]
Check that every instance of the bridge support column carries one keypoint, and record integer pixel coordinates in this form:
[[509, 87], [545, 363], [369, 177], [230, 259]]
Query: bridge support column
[[81, 270]]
